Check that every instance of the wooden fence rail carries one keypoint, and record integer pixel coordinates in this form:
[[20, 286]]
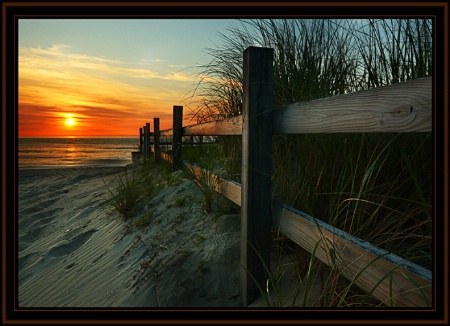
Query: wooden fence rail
[[394, 280], [403, 107]]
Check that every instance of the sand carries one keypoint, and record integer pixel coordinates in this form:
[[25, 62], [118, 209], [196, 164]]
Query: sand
[[74, 250]]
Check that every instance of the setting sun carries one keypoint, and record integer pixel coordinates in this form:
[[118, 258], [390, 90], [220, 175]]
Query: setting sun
[[70, 122]]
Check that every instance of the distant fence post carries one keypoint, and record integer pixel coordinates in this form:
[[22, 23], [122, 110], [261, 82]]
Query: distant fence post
[[177, 137], [156, 139], [256, 196], [147, 140], [140, 140], [143, 141]]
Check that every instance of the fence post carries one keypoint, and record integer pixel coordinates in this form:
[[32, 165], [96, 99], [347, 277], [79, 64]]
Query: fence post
[[256, 205], [177, 136], [143, 140], [156, 139], [140, 140], [146, 140]]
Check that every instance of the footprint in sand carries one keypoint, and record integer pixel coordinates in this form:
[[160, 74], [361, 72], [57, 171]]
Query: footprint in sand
[[66, 248]]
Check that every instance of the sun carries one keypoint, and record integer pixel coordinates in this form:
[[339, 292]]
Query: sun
[[70, 122]]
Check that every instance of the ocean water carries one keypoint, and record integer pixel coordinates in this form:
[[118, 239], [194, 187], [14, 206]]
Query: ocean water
[[72, 152]]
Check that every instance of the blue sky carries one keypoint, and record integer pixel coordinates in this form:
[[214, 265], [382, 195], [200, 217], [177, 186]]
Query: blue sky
[[176, 41]]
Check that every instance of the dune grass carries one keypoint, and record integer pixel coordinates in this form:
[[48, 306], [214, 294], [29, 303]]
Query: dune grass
[[127, 194], [377, 187], [138, 183]]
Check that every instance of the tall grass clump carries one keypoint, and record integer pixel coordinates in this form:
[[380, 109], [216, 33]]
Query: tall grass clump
[[207, 183], [138, 183], [127, 194], [375, 186]]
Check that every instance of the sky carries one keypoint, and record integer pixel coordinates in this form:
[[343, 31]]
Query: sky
[[108, 77]]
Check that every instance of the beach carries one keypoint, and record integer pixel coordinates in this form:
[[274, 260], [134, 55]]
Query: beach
[[75, 250]]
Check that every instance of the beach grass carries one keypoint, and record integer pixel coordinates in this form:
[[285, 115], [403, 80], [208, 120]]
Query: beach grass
[[137, 183], [127, 194], [377, 187]]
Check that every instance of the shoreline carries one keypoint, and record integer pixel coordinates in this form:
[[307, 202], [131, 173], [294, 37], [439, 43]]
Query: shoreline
[[21, 167], [70, 167]]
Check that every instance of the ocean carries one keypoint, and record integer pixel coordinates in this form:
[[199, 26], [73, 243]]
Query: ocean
[[72, 152]]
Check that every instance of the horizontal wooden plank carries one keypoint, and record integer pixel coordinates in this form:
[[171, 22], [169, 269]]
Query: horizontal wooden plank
[[227, 127], [402, 107], [392, 278], [401, 283], [166, 133], [226, 188]]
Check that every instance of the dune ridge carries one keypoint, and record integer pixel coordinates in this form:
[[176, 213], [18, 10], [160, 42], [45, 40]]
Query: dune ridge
[[74, 250]]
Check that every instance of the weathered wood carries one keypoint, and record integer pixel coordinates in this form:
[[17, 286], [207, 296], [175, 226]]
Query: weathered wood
[[256, 174], [227, 127], [227, 188], [147, 141], [177, 146], [411, 284], [402, 107], [156, 139], [381, 109], [392, 279]]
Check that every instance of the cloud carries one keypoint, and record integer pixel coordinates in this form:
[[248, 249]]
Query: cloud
[[147, 61], [54, 80]]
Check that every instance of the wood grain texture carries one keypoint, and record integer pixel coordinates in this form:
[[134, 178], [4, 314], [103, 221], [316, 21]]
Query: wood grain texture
[[227, 188], [256, 171], [226, 127], [355, 258], [393, 280], [402, 107]]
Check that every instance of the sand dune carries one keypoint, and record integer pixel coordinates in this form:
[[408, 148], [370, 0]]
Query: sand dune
[[75, 251]]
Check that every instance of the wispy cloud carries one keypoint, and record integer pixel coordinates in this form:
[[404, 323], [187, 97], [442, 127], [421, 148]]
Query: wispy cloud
[[55, 80]]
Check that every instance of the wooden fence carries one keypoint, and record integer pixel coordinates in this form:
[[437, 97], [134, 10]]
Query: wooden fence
[[403, 107]]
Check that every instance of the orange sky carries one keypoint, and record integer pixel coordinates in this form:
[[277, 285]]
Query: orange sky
[[109, 76], [103, 97]]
